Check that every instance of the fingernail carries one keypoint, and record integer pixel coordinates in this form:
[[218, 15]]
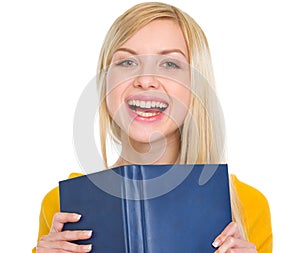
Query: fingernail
[[216, 243], [89, 233], [87, 247], [77, 216]]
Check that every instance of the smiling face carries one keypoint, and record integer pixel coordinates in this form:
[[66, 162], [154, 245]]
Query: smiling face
[[147, 83]]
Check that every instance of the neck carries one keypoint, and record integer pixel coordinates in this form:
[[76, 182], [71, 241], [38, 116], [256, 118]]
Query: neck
[[160, 151]]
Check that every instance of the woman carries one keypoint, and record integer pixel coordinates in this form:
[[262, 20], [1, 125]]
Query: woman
[[158, 101]]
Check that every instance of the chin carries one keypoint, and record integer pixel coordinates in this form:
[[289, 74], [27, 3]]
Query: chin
[[149, 136]]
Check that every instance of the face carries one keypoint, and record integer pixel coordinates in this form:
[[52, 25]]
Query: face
[[148, 83]]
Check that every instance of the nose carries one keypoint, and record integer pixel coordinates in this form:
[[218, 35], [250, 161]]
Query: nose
[[146, 81]]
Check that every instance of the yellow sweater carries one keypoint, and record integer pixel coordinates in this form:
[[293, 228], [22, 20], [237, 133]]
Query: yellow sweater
[[255, 209]]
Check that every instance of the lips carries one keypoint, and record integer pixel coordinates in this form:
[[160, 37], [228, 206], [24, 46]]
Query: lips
[[147, 108]]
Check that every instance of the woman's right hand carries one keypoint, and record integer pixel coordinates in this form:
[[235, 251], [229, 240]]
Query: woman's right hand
[[59, 241]]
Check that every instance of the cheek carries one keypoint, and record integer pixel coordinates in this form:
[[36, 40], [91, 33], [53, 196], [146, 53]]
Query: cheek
[[181, 94], [116, 106], [185, 97], [114, 93], [114, 100], [180, 104]]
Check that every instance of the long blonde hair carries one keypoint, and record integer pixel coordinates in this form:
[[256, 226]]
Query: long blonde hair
[[202, 133]]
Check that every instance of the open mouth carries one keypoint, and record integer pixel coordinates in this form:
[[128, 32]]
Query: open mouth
[[147, 109]]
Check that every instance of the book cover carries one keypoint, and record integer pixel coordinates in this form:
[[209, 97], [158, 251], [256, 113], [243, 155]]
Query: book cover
[[150, 208]]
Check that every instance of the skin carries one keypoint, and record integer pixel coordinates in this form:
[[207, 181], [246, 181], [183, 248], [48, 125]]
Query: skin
[[145, 141], [57, 241]]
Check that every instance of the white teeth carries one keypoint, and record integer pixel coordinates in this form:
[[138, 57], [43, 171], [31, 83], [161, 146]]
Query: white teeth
[[147, 104], [146, 114]]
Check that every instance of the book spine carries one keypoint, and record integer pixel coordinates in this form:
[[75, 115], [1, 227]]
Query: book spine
[[132, 210]]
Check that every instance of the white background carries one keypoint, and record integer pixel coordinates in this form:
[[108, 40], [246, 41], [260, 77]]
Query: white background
[[49, 52]]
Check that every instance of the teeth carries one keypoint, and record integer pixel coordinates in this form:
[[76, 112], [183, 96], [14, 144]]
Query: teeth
[[147, 104], [146, 114]]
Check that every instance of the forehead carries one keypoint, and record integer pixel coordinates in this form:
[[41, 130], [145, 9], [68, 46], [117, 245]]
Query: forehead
[[157, 36]]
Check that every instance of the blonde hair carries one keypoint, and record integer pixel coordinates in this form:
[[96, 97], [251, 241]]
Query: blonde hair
[[202, 133]]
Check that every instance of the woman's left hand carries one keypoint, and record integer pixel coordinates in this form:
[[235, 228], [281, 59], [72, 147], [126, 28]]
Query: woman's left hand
[[232, 241]]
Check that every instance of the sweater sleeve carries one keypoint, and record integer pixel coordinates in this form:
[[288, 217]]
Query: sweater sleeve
[[50, 205], [257, 216]]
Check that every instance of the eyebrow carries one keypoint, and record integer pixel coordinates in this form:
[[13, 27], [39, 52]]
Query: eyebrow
[[163, 52]]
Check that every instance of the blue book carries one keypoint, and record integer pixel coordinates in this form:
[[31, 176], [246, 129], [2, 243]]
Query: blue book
[[150, 208]]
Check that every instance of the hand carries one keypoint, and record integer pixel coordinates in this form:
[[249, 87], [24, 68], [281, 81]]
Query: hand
[[232, 241], [58, 241]]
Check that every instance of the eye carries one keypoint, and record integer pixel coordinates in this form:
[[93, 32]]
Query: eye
[[170, 65], [126, 63]]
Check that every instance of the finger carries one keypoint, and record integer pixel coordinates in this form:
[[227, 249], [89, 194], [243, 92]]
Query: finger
[[59, 219], [241, 250], [235, 244], [68, 235], [62, 246], [231, 230]]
